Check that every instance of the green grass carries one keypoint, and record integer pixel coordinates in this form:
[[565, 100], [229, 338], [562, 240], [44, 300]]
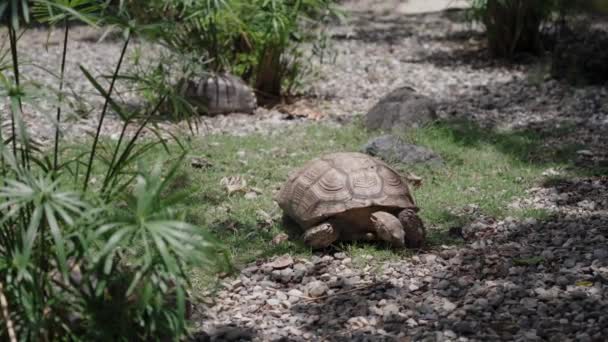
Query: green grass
[[483, 170], [264, 162]]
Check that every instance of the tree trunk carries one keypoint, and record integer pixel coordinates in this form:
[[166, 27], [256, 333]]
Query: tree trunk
[[269, 76], [513, 26]]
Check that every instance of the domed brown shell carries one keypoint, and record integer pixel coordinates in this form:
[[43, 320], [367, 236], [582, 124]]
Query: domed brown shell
[[339, 182]]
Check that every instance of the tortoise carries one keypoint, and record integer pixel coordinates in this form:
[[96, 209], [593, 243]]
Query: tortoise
[[351, 196]]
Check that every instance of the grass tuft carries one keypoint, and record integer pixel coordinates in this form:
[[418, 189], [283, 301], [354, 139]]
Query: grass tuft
[[484, 171]]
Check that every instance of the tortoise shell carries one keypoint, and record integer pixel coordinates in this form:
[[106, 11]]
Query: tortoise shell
[[338, 182]]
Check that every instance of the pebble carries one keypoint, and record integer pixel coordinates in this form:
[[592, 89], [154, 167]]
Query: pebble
[[316, 288]]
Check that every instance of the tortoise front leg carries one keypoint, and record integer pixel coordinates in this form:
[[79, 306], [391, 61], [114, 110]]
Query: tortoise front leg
[[413, 227], [388, 228], [320, 236]]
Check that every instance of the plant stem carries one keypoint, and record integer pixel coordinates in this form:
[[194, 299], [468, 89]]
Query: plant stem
[[9, 323], [13, 42], [113, 170], [61, 79], [103, 113], [24, 148], [115, 154]]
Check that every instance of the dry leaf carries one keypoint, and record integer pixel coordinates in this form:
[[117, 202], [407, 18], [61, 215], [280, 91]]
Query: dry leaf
[[301, 109], [234, 184], [413, 179]]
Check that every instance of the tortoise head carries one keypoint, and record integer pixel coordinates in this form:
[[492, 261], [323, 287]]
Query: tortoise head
[[388, 228]]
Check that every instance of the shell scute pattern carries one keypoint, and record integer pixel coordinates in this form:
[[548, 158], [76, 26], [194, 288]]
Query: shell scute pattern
[[339, 182], [366, 184], [296, 191], [328, 189]]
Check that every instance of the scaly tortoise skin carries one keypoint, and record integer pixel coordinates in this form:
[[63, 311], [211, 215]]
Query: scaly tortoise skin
[[351, 196]]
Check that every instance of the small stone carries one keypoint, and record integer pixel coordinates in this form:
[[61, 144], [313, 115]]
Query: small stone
[[429, 258], [587, 204], [281, 262], [583, 337], [448, 306], [444, 284], [464, 327], [530, 334], [411, 322], [295, 292], [482, 303], [299, 271], [449, 334], [316, 288], [273, 302], [562, 281], [281, 295], [358, 322], [529, 303], [340, 256], [390, 310], [350, 282], [286, 275], [547, 254], [249, 270], [600, 253]]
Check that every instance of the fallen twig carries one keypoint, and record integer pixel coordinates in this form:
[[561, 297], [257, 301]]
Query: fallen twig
[[312, 299], [359, 288]]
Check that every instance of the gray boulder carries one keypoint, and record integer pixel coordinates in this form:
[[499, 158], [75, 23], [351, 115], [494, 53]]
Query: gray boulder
[[393, 149], [219, 94], [402, 108]]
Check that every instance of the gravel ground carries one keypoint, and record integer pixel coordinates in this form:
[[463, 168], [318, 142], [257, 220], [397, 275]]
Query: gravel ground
[[510, 281], [41, 49]]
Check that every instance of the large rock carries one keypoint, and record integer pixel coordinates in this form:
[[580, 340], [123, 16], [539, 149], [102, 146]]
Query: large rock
[[402, 108], [391, 148], [219, 94]]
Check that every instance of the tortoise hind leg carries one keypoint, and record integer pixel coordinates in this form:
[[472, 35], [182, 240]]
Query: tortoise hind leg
[[320, 236], [415, 233], [388, 228]]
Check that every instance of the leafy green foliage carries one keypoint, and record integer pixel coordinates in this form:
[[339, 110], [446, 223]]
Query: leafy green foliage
[[84, 260], [258, 40]]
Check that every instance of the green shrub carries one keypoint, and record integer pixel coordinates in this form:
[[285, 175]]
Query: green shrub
[[258, 40], [84, 260]]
